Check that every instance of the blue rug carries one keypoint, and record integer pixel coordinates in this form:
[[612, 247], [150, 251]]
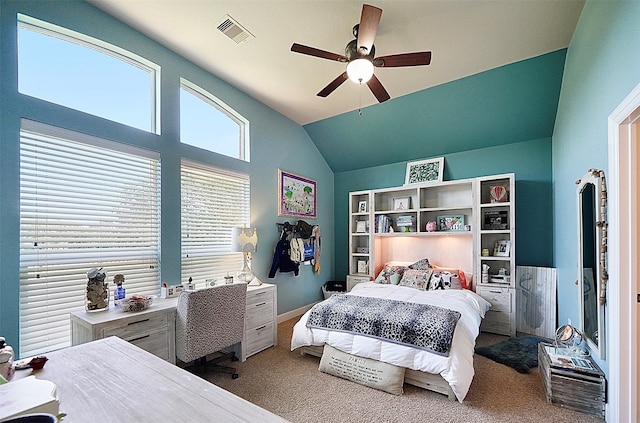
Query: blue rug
[[520, 354]]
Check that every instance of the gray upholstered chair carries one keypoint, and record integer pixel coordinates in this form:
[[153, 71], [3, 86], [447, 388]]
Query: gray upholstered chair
[[208, 321]]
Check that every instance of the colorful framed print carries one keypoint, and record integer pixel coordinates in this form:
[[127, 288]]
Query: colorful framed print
[[297, 195]]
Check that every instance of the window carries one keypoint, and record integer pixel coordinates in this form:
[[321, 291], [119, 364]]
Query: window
[[86, 74], [207, 123], [213, 202], [84, 203]]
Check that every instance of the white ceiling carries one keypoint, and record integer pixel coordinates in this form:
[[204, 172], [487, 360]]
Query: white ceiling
[[465, 38]]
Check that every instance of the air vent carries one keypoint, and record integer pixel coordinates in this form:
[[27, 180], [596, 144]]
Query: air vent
[[232, 29]]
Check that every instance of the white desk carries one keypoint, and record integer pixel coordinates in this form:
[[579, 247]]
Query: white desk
[[154, 329], [110, 380]]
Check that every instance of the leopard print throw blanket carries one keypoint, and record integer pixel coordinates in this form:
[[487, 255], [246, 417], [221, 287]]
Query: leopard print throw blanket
[[423, 326]]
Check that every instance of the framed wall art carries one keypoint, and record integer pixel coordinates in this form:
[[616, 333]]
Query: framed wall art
[[424, 171], [297, 195]]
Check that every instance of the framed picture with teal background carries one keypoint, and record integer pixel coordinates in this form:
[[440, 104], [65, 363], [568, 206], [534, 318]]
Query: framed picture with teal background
[[454, 222]]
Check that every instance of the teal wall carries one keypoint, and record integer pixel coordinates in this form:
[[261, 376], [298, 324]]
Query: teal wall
[[603, 67], [509, 104], [276, 142], [531, 163]]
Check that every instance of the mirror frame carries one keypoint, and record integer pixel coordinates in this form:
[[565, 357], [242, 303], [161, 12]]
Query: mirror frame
[[596, 178]]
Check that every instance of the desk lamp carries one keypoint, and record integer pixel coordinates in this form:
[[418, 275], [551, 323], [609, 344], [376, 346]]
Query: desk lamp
[[245, 240]]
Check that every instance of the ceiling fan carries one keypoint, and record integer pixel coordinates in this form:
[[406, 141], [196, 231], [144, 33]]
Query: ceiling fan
[[360, 56]]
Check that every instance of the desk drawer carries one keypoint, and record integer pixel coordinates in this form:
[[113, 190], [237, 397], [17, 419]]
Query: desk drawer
[[134, 327], [157, 343], [259, 313], [255, 296], [259, 338]]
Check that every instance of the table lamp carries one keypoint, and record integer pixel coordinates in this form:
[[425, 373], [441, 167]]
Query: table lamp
[[245, 240]]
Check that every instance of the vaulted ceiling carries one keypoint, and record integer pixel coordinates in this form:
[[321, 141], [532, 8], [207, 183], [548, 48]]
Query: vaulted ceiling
[[491, 80]]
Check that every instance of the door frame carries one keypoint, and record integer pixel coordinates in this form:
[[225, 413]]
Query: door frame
[[622, 250]]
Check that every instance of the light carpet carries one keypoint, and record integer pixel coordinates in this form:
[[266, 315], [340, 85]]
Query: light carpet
[[290, 385]]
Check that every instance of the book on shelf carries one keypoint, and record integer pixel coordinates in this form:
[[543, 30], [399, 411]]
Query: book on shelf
[[383, 224]]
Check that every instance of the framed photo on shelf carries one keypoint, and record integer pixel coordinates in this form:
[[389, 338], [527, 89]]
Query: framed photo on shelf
[[402, 203], [424, 171], [454, 222], [363, 266], [361, 226], [297, 195], [502, 248], [362, 206]]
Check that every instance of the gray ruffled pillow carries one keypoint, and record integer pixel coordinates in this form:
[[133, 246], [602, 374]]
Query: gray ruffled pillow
[[421, 265]]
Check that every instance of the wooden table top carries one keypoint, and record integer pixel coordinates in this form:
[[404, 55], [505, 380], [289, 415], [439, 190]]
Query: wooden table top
[[111, 380]]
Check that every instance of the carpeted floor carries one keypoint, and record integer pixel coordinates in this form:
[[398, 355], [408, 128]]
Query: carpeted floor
[[290, 385]]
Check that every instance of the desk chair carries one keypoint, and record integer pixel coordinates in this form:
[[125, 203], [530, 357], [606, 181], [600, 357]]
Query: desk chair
[[208, 321]]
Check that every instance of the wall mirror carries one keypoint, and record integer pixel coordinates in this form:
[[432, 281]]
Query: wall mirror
[[592, 252]]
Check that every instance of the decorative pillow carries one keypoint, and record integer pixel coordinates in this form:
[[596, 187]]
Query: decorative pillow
[[415, 278], [421, 264], [444, 280], [365, 371], [390, 275], [461, 275]]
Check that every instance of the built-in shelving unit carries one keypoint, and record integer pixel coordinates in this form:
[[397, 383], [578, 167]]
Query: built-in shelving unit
[[496, 250], [444, 222]]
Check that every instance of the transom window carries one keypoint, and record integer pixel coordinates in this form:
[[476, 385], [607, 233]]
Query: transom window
[[208, 123], [76, 71]]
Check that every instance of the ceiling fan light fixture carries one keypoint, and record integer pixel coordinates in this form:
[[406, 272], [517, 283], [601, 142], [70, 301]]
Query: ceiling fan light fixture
[[360, 70]]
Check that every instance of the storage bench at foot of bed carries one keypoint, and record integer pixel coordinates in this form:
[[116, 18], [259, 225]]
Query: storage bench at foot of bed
[[417, 378]]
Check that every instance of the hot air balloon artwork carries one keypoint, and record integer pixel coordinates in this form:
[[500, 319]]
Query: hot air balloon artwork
[[499, 194]]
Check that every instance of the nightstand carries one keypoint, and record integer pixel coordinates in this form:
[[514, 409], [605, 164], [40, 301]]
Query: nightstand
[[577, 384]]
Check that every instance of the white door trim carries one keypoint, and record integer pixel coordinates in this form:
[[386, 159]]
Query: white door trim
[[621, 299]]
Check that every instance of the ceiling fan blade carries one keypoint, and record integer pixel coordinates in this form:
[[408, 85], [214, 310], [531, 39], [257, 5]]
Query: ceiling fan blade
[[333, 85], [311, 51], [377, 89], [406, 59], [369, 21]]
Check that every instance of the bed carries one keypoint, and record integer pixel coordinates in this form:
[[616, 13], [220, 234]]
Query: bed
[[450, 374]]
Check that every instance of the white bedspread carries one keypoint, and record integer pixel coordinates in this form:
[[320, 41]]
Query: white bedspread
[[456, 369]]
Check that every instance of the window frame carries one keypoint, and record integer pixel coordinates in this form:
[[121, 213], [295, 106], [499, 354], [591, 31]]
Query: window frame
[[65, 34], [44, 310], [225, 109]]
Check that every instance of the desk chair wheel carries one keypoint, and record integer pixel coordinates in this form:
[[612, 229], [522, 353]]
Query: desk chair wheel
[[235, 376]]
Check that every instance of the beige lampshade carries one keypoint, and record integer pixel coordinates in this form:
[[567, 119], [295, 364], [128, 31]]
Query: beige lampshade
[[244, 240]]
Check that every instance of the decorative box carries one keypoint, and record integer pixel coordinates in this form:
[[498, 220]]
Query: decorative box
[[170, 291]]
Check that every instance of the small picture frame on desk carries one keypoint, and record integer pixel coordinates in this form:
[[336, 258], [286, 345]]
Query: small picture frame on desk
[[502, 248]]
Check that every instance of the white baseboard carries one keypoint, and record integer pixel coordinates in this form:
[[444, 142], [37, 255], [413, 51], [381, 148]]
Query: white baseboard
[[294, 313]]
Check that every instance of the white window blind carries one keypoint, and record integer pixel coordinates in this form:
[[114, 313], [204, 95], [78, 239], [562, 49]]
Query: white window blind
[[84, 203], [213, 202]]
